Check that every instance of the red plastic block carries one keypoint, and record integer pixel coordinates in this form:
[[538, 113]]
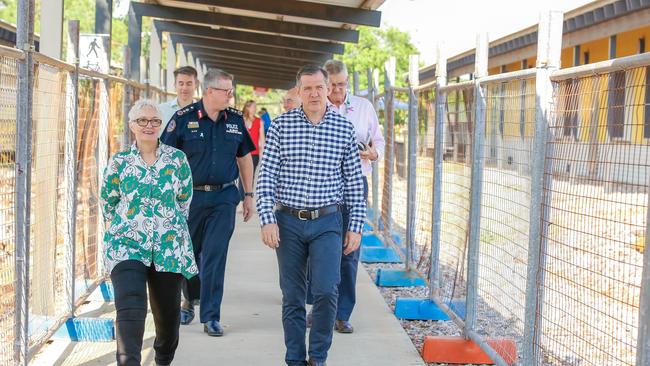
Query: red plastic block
[[458, 350]]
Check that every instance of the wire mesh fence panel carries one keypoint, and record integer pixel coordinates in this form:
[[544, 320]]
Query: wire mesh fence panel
[[455, 200], [116, 117], [380, 169], [47, 300], [8, 93], [505, 209], [398, 184], [87, 190], [596, 205], [424, 179]]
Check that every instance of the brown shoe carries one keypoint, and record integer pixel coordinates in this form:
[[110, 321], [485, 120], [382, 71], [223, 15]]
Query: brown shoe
[[343, 326]]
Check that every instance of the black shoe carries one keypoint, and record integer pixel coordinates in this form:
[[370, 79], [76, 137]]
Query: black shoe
[[343, 326], [213, 328], [187, 315], [309, 319], [316, 363]]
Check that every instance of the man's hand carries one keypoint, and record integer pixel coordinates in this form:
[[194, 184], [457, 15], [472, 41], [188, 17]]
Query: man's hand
[[271, 235], [351, 243], [369, 154], [247, 208]]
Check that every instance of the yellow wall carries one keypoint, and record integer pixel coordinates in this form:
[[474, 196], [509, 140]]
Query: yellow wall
[[566, 59], [627, 43], [598, 50]]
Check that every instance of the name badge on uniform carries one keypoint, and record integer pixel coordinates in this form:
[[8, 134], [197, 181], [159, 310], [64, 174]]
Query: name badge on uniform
[[232, 128], [193, 124]]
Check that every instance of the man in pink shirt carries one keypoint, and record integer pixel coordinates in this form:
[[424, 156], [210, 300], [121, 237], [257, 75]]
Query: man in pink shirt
[[371, 143]]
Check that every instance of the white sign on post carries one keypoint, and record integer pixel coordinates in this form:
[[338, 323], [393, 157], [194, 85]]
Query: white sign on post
[[93, 52]]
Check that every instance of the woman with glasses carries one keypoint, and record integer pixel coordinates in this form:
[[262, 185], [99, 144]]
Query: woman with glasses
[[146, 197]]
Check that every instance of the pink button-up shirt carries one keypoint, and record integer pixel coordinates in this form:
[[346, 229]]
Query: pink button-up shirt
[[366, 124]]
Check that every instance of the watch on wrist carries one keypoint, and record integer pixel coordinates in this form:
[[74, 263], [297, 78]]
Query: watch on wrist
[[249, 194]]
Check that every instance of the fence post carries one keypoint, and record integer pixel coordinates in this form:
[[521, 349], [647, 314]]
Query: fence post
[[436, 212], [372, 91], [23, 173], [549, 46], [481, 64], [355, 83], [411, 178], [126, 101], [389, 158], [102, 162], [71, 173], [643, 339]]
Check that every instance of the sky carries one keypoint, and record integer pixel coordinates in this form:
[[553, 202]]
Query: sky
[[456, 23]]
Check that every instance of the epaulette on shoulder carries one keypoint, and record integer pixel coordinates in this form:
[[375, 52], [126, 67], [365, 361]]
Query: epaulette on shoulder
[[235, 111], [187, 109]]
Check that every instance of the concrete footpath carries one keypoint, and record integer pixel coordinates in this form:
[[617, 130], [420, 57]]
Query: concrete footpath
[[251, 316]]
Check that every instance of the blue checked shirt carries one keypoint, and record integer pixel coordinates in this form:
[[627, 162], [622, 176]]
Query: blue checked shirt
[[308, 166]]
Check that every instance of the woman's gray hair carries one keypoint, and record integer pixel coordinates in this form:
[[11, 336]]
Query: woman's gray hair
[[213, 75], [140, 104]]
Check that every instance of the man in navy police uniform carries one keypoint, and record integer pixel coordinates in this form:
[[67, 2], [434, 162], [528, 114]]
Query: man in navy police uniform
[[218, 146]]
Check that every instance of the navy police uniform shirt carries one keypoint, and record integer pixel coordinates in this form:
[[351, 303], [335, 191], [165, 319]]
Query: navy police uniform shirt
[[211, 147]]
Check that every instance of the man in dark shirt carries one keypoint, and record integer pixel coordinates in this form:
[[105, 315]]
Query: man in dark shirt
[[217, 145]]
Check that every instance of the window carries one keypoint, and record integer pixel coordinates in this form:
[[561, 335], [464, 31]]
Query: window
[[524, 64], [504, 68], [585, 58], [642, 45], [612, 47], [616, 105], [576, 55]]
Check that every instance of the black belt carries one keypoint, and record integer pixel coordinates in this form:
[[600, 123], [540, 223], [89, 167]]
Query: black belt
[[214, 187], [309, 214]]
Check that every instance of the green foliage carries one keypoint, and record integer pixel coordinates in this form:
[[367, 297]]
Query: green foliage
[[373, 50]]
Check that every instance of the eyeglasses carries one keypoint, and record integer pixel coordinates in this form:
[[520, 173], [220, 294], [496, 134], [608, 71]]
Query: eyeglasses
[[342, 85], [228, 91], [143, 122]]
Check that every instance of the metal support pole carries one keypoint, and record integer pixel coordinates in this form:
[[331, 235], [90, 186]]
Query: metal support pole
[[477, 183], [372, 91], [134, 44], [389, 158], [103, 24], [643, 339], [549, 47], [436, 212], [102, 162], [171, 63], [155, 56], [355, 83], [71, 173], [23, 172], [411, 178], [126, 101], [51, 41]]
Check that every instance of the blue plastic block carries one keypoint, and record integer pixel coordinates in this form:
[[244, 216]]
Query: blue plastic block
[[379, 255], [388, 277], [425, 309], [87, 330], [103, 292], [371, 240], [367, 227]]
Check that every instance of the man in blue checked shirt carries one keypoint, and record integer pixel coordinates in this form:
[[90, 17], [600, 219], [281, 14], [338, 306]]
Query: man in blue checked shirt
[[310, 168]]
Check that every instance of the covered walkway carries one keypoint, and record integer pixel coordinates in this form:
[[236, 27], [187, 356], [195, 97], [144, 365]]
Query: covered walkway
[[251, 317]]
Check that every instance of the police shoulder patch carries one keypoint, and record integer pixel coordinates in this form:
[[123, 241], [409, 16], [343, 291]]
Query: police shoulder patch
[[235, 111], [185, 110], [171, 126]]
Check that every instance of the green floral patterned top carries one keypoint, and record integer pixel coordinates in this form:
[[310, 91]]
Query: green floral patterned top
[[147, 208]]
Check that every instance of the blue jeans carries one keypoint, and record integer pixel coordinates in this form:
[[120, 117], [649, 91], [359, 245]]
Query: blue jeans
[[349, 265], [317, 242]]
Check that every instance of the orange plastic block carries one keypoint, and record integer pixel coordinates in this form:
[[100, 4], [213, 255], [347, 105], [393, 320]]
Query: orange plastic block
[[458, 350]]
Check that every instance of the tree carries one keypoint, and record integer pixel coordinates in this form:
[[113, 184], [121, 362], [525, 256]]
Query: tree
[[375, 46]]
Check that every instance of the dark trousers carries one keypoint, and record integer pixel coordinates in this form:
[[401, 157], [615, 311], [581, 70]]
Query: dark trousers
[[130, 279], [256, 161], [317, 243], [349, 266], [211, 223]]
